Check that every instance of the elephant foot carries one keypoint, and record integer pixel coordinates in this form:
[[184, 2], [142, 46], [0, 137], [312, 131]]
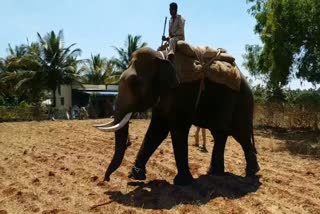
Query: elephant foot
[[183, 180], [252, 164], [253, 170], [137, 174]]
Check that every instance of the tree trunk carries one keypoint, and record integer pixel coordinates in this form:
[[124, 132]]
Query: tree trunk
[[36, 113], [54, 98]]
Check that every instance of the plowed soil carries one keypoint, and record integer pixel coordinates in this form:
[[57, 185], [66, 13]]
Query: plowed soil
[[58, 167]]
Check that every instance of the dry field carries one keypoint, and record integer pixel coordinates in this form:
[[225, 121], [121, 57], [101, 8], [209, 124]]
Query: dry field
[[58, 167]]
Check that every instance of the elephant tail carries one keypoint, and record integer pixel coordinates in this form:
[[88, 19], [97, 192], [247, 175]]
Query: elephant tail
[[253, 142], [252, 134]]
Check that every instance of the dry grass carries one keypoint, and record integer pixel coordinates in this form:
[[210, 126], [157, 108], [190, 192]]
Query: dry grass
[[286, 116], [57, 167], [304, 143]]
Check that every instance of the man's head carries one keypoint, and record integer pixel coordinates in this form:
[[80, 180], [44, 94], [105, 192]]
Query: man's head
[[173, 9]]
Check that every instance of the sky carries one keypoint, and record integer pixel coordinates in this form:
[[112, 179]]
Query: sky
[[96, 26]]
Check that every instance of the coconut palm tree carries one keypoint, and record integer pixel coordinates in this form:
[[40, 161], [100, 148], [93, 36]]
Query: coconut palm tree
[[131, 44], [10, 71], [18, 51], [23, 77], [59, 62], [2, 75], [99, 70], [43, 65], [23, 57]]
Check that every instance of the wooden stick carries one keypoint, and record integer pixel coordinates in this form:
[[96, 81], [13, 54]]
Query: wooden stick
[[164, 29], [101, 204]]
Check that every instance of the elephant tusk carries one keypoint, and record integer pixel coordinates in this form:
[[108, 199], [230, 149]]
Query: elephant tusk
[[117, 126], [104, 124]]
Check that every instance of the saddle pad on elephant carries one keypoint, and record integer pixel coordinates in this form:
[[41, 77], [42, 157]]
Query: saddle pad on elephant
[[189, 69], [225, 73], [205, 52], [196, 63]]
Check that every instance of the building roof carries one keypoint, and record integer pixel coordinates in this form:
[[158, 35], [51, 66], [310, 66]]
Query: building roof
[[91, 87], [102, 93]]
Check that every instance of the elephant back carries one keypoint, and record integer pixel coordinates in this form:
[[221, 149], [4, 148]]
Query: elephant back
[[205, 52], [196, 63]]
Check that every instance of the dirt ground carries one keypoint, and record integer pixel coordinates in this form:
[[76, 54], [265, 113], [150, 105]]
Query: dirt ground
[[58, 167]]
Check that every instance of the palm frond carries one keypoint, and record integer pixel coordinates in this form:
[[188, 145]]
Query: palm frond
[[131, 44]]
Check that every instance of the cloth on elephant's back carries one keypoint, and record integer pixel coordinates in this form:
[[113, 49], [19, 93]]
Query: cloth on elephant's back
[[195, 63]]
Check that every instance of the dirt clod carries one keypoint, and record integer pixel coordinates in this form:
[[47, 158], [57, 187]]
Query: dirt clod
[[51, 173], [94, 178]]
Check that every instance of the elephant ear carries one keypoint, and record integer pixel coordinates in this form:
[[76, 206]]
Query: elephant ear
[[166, 76]]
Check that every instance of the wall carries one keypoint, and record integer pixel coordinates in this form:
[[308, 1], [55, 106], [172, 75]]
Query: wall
[[65, 94]]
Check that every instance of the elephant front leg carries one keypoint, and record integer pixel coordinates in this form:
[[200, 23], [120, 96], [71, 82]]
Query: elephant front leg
[[158, 130], [180, 148], [217, 159]]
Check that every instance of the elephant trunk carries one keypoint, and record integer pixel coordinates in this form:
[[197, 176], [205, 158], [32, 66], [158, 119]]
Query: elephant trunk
[[121, 136]]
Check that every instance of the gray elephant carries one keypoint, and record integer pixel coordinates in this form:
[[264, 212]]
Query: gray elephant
[[151, 81]]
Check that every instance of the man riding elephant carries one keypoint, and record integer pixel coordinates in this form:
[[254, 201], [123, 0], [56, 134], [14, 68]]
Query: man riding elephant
[[176, 30], [216, 97]]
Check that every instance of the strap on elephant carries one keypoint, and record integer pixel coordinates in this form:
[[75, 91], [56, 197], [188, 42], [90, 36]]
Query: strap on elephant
[[203, 68]]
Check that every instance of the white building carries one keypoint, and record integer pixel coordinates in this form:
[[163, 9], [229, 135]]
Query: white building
[[68, 96]]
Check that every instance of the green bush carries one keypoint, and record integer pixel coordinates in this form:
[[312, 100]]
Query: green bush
[[23, 112], [308, 98], [2, 101]]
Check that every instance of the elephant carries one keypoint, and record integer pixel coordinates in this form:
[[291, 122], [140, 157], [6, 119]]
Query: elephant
[[152, 82]]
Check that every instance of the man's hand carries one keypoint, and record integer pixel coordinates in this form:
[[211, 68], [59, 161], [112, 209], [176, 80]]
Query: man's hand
[[165, 38]]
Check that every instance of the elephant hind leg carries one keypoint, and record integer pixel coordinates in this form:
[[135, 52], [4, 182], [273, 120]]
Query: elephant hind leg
[[249, 150], [179, 136], [217, 159]]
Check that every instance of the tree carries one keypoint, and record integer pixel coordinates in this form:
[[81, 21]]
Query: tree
[[11, 72], [2, 82], [2, 72], [43, 65], [290, 33], [132, 44], [59, 63], [23, 77], [98, 70]]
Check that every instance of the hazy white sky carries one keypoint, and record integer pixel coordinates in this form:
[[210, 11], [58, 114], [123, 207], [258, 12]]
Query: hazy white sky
[[97, 25]]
